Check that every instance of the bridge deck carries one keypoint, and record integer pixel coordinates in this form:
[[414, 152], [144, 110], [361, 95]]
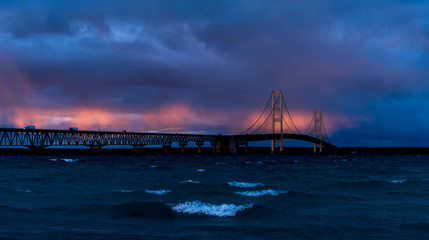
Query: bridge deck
[[40, 138]]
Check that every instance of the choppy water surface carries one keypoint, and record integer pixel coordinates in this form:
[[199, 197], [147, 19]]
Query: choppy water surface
[[214, 197]]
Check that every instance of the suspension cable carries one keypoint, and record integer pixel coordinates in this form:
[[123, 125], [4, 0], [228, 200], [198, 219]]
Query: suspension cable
[[287, 110], [306, 132], [324, 129], [258, 118], [287, 125], [263, 122]]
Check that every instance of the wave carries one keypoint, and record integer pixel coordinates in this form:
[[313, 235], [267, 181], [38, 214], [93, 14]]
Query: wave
[[165, 211], [370, 182], [159, 167], [157, 192], [244, 184], [190, 181], [200, 208], [124, 190], [200, 170], [398, 181], [64, 159], [260, 193]]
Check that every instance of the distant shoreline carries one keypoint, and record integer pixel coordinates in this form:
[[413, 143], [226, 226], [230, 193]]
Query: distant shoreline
[[205, 151]]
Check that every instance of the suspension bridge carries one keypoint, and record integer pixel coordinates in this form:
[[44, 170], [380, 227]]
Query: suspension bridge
[[274, 123]]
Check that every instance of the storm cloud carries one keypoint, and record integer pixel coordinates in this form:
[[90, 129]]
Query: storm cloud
[[210, 66]]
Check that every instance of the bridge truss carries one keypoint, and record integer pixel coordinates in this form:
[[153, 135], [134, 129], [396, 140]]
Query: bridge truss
[[42, 138]]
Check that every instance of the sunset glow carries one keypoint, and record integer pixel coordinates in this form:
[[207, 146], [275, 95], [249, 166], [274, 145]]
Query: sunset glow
[[198, 69]]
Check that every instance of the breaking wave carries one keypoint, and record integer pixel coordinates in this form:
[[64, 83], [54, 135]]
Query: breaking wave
[[244, 184], [64, 159], [190, 181], [157, 192], [369, 183], [260, 193], [124, 190], [200, 208], [398, 181]]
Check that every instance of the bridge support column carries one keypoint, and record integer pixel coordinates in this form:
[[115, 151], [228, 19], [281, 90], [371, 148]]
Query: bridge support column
[[166, 148], [95, 148], [182, 145], [214, 146], [138, 148], [277, 117], [233, 144], [273, 144], [318, 129], [199, 144], [246, 148]]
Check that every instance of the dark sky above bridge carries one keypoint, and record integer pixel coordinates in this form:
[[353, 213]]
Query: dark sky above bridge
[[211, 65]]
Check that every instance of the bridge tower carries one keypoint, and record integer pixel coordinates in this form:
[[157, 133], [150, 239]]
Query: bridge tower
[[318, 129], [277, 112]]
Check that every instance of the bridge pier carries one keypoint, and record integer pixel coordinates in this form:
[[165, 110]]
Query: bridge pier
[[233, 144], [214, 146], [317, 145], [273, 145], [227, 144], [138, 148], [182, 145], [199, 144], [166, 148]]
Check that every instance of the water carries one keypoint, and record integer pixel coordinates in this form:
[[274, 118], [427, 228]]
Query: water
[[214, 197]]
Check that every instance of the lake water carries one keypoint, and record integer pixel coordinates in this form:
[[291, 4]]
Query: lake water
[[214, 197]]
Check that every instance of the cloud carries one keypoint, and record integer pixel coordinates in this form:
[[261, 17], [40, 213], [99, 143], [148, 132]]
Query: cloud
[[355, 60]]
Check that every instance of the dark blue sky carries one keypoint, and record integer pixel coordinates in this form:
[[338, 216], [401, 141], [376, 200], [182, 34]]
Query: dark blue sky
[[211, 65]]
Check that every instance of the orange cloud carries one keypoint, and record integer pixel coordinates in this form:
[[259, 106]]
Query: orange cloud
[[177, 118], [172, 118]]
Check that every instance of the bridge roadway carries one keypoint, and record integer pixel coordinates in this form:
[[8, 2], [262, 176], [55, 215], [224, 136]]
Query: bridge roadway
[[42, 138]]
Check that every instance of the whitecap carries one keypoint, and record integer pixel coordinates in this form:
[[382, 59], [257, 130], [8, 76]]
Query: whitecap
[[157, 192], [69, 160], [260, 193], [53, 159], [200, 170], [398, 181], [190, 181], [200, 208], [154, 166], [244, 184], [125, 191]]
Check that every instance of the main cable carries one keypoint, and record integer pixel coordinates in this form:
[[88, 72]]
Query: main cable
[[263, 122], [258, 118], [324, 129], [287, 110]]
